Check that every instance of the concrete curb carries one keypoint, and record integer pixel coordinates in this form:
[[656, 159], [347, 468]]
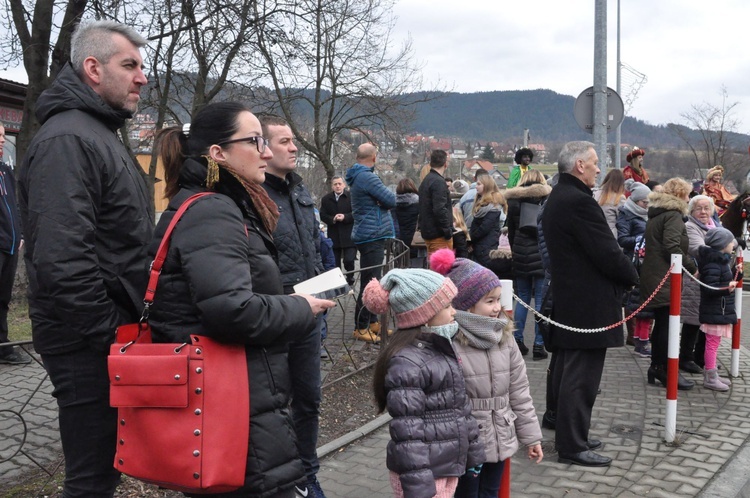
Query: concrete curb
[[352, 436]]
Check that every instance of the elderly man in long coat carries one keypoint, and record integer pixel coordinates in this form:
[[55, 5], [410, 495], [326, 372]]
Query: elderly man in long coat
[[590, 274]]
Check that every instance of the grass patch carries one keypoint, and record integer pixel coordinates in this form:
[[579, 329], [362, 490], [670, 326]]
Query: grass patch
[[19, 323]]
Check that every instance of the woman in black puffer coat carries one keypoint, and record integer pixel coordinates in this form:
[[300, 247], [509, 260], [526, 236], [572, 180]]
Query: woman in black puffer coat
[[220, 279], [406, 213], [528, 272], [489, 214]]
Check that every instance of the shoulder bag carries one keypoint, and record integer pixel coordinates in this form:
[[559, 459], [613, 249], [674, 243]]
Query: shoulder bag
[[529, 214], [183, 409]]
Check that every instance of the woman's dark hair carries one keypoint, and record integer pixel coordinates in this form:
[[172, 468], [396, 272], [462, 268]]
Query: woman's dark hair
[[213, 124], [406, 186], [652, 183], [399, 341]]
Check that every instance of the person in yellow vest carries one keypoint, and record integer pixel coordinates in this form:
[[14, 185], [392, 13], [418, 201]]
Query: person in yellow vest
[[523, 159]]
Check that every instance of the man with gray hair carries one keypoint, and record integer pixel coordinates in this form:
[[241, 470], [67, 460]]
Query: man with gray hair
[[84, 208], [590, 274]]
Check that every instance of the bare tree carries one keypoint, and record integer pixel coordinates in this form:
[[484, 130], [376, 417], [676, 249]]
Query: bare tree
[[709, 132], [34, 22], [330, 70]]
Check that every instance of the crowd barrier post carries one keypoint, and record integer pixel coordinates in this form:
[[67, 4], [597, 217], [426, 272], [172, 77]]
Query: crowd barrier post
[[673, 351], [735, 368], [506, 299]]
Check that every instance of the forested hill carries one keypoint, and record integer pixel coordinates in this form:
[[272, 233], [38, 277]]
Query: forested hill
[[502, 115]]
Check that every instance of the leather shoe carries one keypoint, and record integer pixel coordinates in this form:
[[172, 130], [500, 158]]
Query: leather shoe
[[585, 458], [658, 372], [593, 444], [690, 366], [549, 420]]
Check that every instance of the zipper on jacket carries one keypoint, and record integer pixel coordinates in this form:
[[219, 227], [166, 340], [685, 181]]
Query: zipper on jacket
[[267, 365]]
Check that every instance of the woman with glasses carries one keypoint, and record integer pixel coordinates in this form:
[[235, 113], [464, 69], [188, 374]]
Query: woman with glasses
[[631, 226], [220, 277], [692, 344]]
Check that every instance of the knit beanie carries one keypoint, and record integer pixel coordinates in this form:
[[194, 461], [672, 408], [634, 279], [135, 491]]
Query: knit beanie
[[414, 295], [718, 238], [460, 187], [472, 280], [638, 191]]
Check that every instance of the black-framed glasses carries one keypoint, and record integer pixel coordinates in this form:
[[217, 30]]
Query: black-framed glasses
[[260, 142]]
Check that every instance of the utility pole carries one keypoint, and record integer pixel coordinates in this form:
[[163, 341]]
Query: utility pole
[[525, 137], [600, 83], [618, 133]]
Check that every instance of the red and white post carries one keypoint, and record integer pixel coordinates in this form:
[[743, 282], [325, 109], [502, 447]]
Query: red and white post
[[734, 370], [506, 299], [673, 351]]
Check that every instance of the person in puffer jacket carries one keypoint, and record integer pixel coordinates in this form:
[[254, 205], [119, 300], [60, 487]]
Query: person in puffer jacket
[[418, 379], [494, 373]]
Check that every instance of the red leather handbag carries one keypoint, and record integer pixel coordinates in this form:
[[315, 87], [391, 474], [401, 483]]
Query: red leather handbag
[[183, 409]]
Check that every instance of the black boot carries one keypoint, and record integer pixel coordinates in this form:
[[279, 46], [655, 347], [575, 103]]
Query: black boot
[[549, 419], [522, 347], [658, 372], [539, 352]]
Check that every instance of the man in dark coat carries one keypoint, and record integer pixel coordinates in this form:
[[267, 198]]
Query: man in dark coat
[[10, 243], [435, 209], [589, 276], [297, 239], [84, 209], [336, 212]]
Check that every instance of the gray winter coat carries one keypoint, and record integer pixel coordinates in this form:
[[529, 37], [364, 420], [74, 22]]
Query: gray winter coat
[[433, 434], [497, 385], [691, 291], [84, 209]]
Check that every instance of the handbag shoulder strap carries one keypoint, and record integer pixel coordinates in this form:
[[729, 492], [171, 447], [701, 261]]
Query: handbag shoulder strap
[[161, 253]]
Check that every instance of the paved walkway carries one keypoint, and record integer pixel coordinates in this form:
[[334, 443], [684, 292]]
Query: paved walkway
[[710, 459]]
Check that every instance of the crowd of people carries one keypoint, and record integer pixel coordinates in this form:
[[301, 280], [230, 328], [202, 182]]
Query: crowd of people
[[452, 375]]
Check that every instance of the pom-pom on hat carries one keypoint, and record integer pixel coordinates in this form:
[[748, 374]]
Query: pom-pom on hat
[[638, 191], [414, 295], [634, 153], [718, 238], [472, 280]]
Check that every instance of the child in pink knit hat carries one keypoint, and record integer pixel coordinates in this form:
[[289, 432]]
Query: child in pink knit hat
[[494, 372], [434, 438]]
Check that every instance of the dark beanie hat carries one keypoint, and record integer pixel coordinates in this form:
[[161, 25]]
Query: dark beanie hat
[[718, 238]]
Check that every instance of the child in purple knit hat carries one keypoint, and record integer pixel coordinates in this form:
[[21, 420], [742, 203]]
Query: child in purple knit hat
[[434, 438], [493, 370]]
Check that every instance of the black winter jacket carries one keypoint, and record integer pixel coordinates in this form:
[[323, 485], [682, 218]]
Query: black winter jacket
[[717, 306], [629, 227], [10, 219], [84, 209], [435, 209], [527, 262], [220, 279], [339, 232], [433, 433], [589, 270], [485, 233], [406, 215], [297, 235]]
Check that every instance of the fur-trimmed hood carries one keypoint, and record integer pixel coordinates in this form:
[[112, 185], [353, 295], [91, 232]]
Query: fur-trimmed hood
[[665, 202], [535, 190]]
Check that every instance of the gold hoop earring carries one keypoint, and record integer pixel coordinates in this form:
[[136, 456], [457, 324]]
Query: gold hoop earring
[[212, 176]]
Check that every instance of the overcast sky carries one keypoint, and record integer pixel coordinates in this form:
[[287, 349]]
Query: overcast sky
[[687, 49]]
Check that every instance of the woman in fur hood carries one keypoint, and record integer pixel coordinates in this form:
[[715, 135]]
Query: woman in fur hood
[[528, 272], [665, 235]]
